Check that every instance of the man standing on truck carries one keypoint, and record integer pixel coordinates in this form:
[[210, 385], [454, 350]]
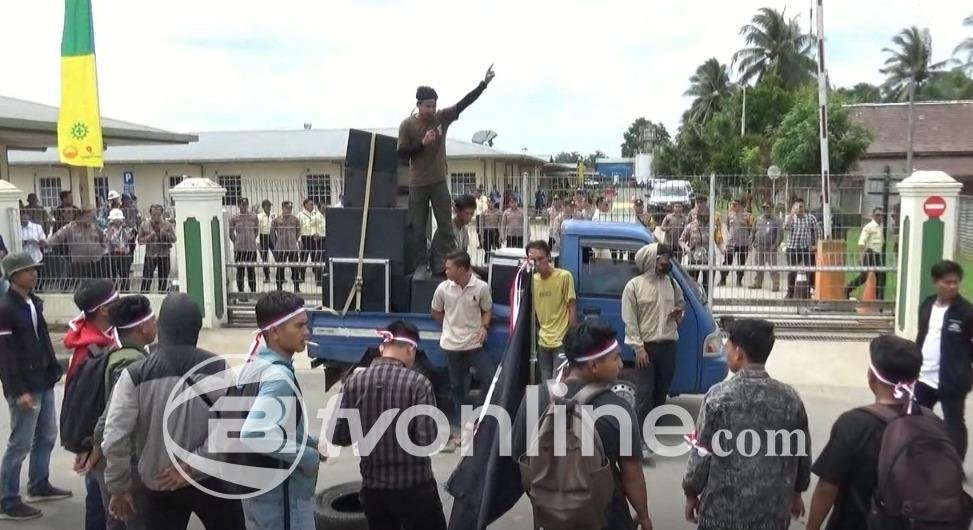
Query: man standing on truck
[[462, 305], [554, 306], [652, 308], [422, 141]]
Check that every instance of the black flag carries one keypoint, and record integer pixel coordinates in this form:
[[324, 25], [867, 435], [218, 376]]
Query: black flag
[[486, 485]]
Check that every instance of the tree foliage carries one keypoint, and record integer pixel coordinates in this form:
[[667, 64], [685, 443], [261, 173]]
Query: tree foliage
[[711, 88], [775, 45], [796, 149], [632, 137]]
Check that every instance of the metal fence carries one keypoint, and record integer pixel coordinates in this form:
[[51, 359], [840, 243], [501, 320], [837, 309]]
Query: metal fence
[[136, 253], [965, 242], [748, 253]]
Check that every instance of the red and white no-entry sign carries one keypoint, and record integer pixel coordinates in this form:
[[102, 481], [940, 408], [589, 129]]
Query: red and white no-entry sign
[[934, 206]]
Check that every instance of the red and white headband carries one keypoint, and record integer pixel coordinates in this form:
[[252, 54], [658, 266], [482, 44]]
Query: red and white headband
[[900, 389], [258, 334], [75, 323], [138, 322], [597, 354], [388, 336]]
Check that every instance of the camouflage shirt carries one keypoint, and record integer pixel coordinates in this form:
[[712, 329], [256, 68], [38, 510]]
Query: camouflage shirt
[[243, 232], [749, 493], [85, 242], [284, 233]]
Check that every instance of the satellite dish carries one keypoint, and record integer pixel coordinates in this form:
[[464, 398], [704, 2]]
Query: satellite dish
[[484, 138]]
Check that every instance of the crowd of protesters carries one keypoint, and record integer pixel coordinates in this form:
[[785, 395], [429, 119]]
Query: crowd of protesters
[[72, 244]]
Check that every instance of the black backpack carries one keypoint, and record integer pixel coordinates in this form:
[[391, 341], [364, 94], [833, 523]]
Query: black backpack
[[249, 392], [84, 402], [920, 475]]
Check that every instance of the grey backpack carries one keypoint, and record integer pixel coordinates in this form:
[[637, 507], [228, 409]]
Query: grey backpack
[[573, 490]]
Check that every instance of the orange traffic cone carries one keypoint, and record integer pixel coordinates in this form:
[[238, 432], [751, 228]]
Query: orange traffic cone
[[868, 296]]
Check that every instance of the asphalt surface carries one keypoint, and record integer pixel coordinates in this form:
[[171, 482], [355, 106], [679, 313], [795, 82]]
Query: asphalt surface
[[829, 376]]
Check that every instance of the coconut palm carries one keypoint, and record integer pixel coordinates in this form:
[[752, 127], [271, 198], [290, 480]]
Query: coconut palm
[[711, 87], [909, 63], [775, 45], [966, 47]]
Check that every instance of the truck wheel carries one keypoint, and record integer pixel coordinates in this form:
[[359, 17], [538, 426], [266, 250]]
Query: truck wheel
[[338, 508], [626, 384]]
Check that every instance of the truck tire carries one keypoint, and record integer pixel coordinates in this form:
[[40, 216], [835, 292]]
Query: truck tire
[[338, 508], [626, 384]]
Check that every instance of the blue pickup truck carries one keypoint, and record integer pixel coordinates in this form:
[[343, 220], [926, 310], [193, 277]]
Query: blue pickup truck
[[599, 256]]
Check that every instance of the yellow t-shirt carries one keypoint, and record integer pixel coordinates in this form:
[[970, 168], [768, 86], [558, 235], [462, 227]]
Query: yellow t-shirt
[[551, 297]]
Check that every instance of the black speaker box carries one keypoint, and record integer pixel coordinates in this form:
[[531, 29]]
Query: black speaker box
[[386, 155], [385, 237], [422, 291], [501, 278], [376, 286], [384, 192], [385, 170], [401, 293]]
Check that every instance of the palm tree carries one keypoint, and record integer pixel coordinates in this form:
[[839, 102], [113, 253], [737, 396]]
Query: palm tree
[[909, 68], [776, 45], [909, 64], [966, 47], [710, 85]]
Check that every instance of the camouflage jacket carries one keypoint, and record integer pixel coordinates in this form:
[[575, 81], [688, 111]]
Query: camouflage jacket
[[738, 492]]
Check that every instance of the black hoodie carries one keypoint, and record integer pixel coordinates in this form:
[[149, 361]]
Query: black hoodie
[[142, 392]]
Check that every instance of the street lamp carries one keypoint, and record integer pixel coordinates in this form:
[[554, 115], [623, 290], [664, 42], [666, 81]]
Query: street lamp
[[773, 173]]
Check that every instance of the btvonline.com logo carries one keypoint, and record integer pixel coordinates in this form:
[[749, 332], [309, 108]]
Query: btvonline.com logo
[[250, 445]]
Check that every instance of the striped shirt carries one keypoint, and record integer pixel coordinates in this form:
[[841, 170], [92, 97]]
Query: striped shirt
[[388, 384]]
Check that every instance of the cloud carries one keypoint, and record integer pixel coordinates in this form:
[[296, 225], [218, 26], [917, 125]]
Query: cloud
[[571, 75]]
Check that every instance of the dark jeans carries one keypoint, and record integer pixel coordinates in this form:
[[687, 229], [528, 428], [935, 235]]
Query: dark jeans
[[32, 432], [797, 257], [420, 198], [170, 510], [288, 256], [152, 264], [94, 510], [652, 387], [953, 413], [741, 255], [870, 259], [490, 239], [548, 359], [121, 270], [416, 508], [515, 241], [246, 256], [310, 251], [81, 271], [458, 363], [265, 248]]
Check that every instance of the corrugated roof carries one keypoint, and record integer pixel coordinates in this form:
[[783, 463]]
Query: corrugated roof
[[262, 146], [31, 125], [940, 126]]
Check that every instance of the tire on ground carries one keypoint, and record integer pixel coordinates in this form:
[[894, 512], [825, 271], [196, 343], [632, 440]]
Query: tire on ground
[[338, 508]]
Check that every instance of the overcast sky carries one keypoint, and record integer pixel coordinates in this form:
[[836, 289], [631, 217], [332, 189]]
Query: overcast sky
[[571, 75]]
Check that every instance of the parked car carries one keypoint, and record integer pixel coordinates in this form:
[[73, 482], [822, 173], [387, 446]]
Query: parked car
[[664, 193]]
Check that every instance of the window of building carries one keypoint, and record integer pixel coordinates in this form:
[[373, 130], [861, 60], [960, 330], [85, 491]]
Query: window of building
[[462, 184], [319, 189], [50, 188], [232, 185], [174, 180], [101, 187]]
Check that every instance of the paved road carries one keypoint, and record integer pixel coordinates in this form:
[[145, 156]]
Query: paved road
[[830, 378]]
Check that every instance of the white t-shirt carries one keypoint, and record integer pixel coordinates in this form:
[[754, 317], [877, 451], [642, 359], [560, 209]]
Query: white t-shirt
[[931, 348], [463, 308]]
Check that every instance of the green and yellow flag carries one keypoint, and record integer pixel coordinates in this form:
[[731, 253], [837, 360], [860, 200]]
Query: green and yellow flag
[[79, 141]]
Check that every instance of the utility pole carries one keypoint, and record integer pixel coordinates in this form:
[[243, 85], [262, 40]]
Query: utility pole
[[823, 126], [912, 99], [743, 117]]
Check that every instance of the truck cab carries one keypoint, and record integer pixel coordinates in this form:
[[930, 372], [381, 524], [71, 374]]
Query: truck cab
[[600, 258]]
